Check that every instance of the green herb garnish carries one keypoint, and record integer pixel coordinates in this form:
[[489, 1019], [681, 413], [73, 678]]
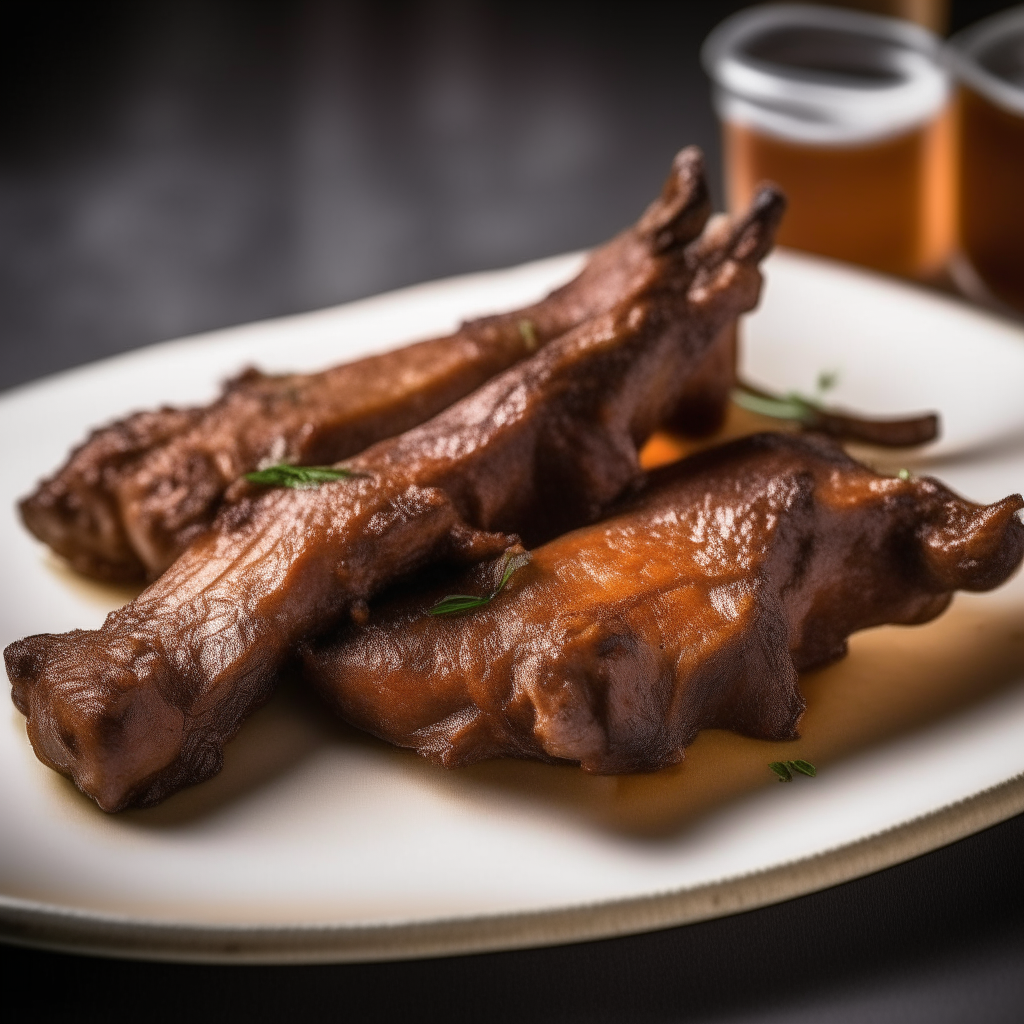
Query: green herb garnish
[[813, 414], [298, 477], [528, 333], [792, 406], [827, 380], [456, 604], [904, 474], [785, 769]]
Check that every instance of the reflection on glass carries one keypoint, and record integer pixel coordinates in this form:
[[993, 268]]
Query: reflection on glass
[[989, 59], [849, 113]]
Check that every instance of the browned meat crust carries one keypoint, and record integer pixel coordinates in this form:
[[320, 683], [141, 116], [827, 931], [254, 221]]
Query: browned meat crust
[[136, 493], [142, 707], [693, 607]]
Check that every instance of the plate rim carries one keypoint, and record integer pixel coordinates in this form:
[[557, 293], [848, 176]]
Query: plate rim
[[49, 927]]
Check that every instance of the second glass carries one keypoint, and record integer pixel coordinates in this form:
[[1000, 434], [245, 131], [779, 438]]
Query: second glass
[[989, 59]]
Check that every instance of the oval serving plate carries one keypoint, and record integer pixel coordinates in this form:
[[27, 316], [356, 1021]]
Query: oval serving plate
[[319, 843]]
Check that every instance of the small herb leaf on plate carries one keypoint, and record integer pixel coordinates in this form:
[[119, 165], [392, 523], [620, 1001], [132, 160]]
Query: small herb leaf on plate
[[827, 380], [785, 769]]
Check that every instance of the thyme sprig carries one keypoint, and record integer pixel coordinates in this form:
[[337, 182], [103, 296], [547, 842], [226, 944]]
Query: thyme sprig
[[785, 769], [792, 405], [299, 477], [813, 414], [456, 604]]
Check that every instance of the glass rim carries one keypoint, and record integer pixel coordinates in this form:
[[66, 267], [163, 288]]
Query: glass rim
[[964, 49], [831, 112]]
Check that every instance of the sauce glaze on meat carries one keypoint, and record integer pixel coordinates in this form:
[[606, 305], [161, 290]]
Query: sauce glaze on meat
[[136, 493], [693, 607], [143, 706]]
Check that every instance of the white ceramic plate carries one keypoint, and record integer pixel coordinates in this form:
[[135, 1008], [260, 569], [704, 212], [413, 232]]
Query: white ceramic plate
[[316, 843]]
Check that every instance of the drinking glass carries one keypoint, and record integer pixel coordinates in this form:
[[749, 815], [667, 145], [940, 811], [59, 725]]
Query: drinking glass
[[988, 59], [850, 114]]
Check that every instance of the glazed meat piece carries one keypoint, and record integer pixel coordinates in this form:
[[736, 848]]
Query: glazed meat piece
[[142, 706], [134, 495], [692, 607]]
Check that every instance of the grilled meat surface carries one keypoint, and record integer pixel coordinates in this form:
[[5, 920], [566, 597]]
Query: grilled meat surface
[[692, 607], [132, 497], [143, 706]]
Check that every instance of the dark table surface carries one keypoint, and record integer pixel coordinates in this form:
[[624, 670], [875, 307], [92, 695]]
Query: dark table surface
[[173, 167]]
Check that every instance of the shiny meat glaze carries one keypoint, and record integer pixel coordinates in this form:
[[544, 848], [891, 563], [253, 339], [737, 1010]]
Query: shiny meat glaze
[[142, 707], [136, 493], [692, 608]]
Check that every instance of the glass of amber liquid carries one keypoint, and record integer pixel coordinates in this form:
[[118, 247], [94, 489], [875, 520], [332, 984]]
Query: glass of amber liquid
[[850, 114], [989, 61]]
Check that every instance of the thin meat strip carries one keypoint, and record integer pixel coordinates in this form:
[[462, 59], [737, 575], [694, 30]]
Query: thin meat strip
[[143, 706], [692, 607], [132, 497]]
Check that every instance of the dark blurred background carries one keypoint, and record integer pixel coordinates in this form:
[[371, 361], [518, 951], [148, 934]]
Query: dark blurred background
[[172, 167], [175, 166]]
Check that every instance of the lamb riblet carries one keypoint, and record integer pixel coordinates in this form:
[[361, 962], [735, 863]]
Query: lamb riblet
[[693, 607], [143, 706], [136, 493]]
